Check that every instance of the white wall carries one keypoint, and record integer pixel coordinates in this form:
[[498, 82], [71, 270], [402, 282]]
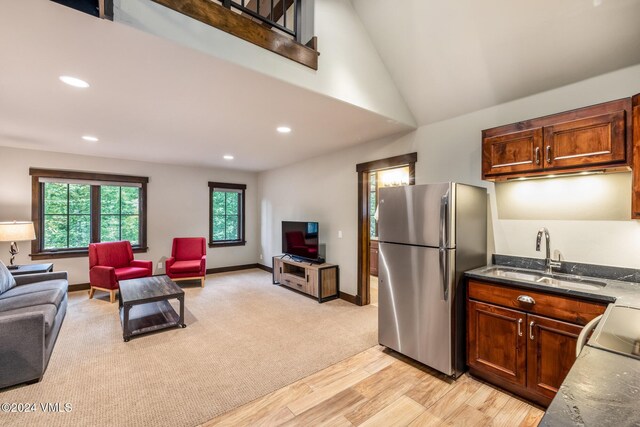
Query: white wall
[[349, 67], [178, 205], [325, 188]]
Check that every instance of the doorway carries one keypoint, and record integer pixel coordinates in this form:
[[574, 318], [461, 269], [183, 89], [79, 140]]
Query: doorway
[[372, 176]]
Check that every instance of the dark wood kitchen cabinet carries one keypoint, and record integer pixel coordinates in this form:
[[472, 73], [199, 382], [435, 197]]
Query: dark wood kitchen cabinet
[[590, 138], [373, 257], [496, 342], [526, 348], [635, 197], [551, 351]]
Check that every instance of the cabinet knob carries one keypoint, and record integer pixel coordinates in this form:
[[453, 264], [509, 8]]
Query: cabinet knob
[[526, 299]]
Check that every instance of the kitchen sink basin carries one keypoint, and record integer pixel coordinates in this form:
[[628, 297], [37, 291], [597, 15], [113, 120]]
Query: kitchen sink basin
[[554, 279], [572, 283]]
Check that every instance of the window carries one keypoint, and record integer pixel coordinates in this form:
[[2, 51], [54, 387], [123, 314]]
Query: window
[[226, 214], [72, 209]]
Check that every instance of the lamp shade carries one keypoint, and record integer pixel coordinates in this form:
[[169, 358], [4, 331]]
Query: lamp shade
[[17, 231]]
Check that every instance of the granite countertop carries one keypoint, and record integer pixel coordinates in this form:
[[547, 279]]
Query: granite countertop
[[602, 388]]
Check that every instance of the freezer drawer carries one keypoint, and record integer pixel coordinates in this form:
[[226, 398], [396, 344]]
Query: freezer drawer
[[414, 315]]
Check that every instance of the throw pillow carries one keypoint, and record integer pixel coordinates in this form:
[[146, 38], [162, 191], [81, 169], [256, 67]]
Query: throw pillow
[[6, 279]]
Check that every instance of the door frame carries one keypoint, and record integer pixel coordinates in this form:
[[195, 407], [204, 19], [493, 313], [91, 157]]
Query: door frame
[[363, 169]]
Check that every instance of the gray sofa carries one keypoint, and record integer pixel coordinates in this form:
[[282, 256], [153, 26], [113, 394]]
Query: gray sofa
[[32, 308]]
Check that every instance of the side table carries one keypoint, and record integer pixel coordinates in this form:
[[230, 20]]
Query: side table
[[31, 269]]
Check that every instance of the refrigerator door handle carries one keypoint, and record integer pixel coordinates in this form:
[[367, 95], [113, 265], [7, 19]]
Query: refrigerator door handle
[[444, 272], [444, 220]]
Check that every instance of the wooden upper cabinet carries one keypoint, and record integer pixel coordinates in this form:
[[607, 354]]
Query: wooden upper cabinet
[[594, 140], [635, 197], [513, 152], [596, 137]]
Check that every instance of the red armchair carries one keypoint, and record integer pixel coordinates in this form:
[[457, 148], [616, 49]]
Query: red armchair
[[111, 262], [188, 259]]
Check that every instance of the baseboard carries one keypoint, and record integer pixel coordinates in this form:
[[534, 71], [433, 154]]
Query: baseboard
[[349, 298], [232, 268], [79, 287], [85, 286], [265, 268]]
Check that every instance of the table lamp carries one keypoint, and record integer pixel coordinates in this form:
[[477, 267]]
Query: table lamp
[[16, 231]]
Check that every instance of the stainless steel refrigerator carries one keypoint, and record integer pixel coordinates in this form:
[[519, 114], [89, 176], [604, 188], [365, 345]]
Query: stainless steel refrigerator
[[428, 236]]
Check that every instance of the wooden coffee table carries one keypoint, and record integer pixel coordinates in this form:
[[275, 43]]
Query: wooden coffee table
[[144, 305]]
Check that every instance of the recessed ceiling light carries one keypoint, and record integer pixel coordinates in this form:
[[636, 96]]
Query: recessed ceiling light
[[74, 81], [227, 157], [283, 129], [90, 138]]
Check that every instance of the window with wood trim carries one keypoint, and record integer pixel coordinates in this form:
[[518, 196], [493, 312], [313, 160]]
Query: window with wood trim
[[226, 214], [72, 209]]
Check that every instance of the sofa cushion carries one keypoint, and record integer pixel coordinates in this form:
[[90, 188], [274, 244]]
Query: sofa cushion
[[45, 285], [185, 267], [126, 273], [6, 279], [15, 300], [48, 310]]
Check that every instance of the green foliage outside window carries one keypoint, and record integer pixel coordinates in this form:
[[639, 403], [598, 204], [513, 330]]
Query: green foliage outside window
[[119, 214], [67, 215], [226, 210]]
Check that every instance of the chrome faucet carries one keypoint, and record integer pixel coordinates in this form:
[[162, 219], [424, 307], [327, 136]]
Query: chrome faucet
[[550, 264]]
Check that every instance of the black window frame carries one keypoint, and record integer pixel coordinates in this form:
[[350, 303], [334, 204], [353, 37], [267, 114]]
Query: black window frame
[[241, 241], [37, 208]]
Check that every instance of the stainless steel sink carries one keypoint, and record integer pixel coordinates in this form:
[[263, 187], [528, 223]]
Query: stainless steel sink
[[572, 283], [555, 279], [512, 273]]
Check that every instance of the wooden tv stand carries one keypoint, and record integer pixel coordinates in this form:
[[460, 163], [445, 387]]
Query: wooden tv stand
[[320, 281]]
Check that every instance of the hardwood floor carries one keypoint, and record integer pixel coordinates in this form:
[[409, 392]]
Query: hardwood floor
[[379, 387]]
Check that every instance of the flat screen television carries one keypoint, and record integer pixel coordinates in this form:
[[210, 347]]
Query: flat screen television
[[300, 240]]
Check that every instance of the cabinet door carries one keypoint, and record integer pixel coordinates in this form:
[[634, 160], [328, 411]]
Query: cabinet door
[[512, 153], [551, 351], [593, 140], [496, 341], [312, 282], [636, 158], [373, 258], [277, 270]]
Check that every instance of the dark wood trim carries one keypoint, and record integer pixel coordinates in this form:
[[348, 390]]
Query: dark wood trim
[[353, 299], [37, 201], [225, 185], [233, 268], [75, 253], [226, 244], [240, 26], [363, 238], [390, 162], [363, 170], [265, 268], [87, 176], [79, 287]]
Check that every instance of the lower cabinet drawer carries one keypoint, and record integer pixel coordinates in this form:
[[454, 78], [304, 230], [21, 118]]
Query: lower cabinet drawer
[[296, 282], [555, 306]]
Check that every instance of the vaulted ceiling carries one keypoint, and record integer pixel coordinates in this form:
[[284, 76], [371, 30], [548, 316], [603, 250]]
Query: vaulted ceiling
[[449, 58], [153, 99]]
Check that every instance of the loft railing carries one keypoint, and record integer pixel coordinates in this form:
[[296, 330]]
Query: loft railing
[[282, 15]]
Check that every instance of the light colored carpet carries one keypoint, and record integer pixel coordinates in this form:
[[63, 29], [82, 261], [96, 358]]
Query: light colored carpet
[[245, 338]]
